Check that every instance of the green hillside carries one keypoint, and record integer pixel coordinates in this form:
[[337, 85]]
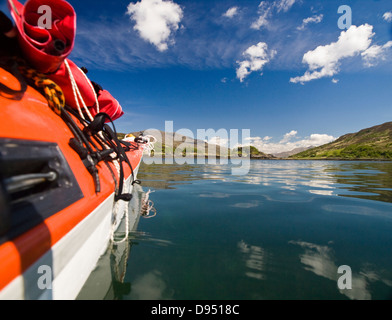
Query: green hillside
[[254, 153], [371, 143]]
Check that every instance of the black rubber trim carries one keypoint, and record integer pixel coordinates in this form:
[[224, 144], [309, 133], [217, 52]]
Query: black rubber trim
[[23, 211]]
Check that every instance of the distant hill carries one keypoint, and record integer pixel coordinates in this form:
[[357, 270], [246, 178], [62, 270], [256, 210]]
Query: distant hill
[[255, 154], [171, 143], [371, 143], [290, 153]]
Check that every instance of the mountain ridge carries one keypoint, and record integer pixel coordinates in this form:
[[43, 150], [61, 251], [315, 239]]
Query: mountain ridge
[[370, 143]]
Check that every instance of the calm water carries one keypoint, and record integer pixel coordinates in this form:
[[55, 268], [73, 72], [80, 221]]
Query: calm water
[[281, 232]]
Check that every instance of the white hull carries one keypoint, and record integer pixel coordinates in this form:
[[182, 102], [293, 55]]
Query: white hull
[[72, 259], [112, 266]]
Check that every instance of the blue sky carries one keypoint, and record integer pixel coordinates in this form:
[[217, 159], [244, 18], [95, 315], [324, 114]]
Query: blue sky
[[283, 68]]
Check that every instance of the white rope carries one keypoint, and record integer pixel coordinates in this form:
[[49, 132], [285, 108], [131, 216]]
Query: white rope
[[147, 207], [116, 207], [78, 97], [120, 277], [126, 227], [126, 213], [92, 88], [150, 145]]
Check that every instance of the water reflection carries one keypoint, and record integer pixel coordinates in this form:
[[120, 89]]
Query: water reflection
[[247, 205], [320, 261], [150, 286], [357, 210], [139, 236], [322, 192], [208, 212], [107, 281], [361, 179], [215, 195], [254, 257], [166, 176]]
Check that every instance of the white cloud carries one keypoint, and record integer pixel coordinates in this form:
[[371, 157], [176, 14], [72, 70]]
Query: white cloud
[[258, 139], [335, 80], [284, 5], [287, 143], [256, 57], [314, 19], [223, 142], [155, 20], [264, 12], [287, 137], [253, 138], [387, 16], [231, 12], [324, 61], [375, 53], [266, 9]]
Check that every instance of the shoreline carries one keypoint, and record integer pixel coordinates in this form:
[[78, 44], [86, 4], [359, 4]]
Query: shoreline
[[308, 159], [278, 159]]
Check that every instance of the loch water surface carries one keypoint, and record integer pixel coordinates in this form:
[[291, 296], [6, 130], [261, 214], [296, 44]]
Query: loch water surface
[[280, 232]]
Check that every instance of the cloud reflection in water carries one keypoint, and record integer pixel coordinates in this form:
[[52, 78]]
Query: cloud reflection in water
[[320, 260]]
